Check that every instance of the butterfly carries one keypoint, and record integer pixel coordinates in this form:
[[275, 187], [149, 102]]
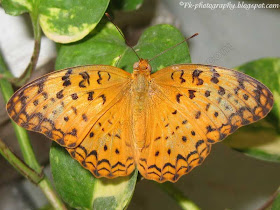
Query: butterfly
[[163, 124]]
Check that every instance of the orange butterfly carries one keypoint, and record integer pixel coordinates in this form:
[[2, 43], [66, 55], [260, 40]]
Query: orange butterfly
[[163, 123]]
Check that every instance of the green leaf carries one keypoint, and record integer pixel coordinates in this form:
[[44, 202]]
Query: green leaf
[[17, 7], [262, 139], [81, 190], [127, 5], [62, 21], [104, 46], [276, 203], [153, 41], [70, 20], [259, 140]]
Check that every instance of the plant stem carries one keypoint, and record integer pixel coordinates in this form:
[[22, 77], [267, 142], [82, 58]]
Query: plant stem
[[20, 166], [37, 44], [51, 195], [269, 203], [25, 146], [22, 136], [178, 196]]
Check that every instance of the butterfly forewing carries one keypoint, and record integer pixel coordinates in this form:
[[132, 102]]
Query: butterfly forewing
[[64, 105], [224, 98], [193, 107]]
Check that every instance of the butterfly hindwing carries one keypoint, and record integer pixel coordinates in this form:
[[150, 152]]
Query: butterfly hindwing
[[107, 150], [64, 105], [194, 106], [174, 144]]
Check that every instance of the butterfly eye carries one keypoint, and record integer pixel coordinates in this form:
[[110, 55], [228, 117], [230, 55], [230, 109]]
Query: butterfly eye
[[136, 65], [148, 68]]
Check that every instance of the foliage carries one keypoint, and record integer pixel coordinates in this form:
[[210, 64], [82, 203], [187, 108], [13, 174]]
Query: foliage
[[66, 21], [92, 41]]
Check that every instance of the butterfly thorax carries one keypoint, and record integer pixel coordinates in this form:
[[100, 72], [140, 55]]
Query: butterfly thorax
[[140, 94]]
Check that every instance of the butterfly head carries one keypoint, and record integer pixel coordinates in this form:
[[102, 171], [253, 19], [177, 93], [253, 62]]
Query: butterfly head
[[143, 66]]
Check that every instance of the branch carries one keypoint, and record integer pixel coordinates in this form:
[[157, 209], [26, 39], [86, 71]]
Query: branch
[[36, 50], [271, 200], [178, 196], [20, 166]]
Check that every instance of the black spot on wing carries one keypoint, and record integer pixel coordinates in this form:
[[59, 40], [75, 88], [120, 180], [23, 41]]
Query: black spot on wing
[[85, 81], [74, 109], [109, 76], [178, 97], [195, 77], [73, 132], [245, 96], [41, 84], [214, 80], [66, 78], [59, 94], [90, 95], [207, 93], [103, 98], [85, 117], [36, 102], [172, 75], [197, 115], [74, 96], [207, 106], [45, 95], [181, 76], [209, 129], [157, 138], [91, 134], [215, 76], [221, 91], [99, 77], [191, 93]]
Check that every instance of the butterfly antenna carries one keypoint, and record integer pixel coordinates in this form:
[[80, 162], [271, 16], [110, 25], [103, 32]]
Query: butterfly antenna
[[111, 20], [185, 40]]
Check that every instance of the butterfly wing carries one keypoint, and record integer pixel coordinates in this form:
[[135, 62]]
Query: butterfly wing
[[107, 151], [64, 105], [194, 106]]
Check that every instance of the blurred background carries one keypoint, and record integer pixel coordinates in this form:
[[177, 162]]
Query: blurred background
[[228, 38]]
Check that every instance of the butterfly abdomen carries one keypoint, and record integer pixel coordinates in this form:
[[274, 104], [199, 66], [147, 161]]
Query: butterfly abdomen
[[139, 94]]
